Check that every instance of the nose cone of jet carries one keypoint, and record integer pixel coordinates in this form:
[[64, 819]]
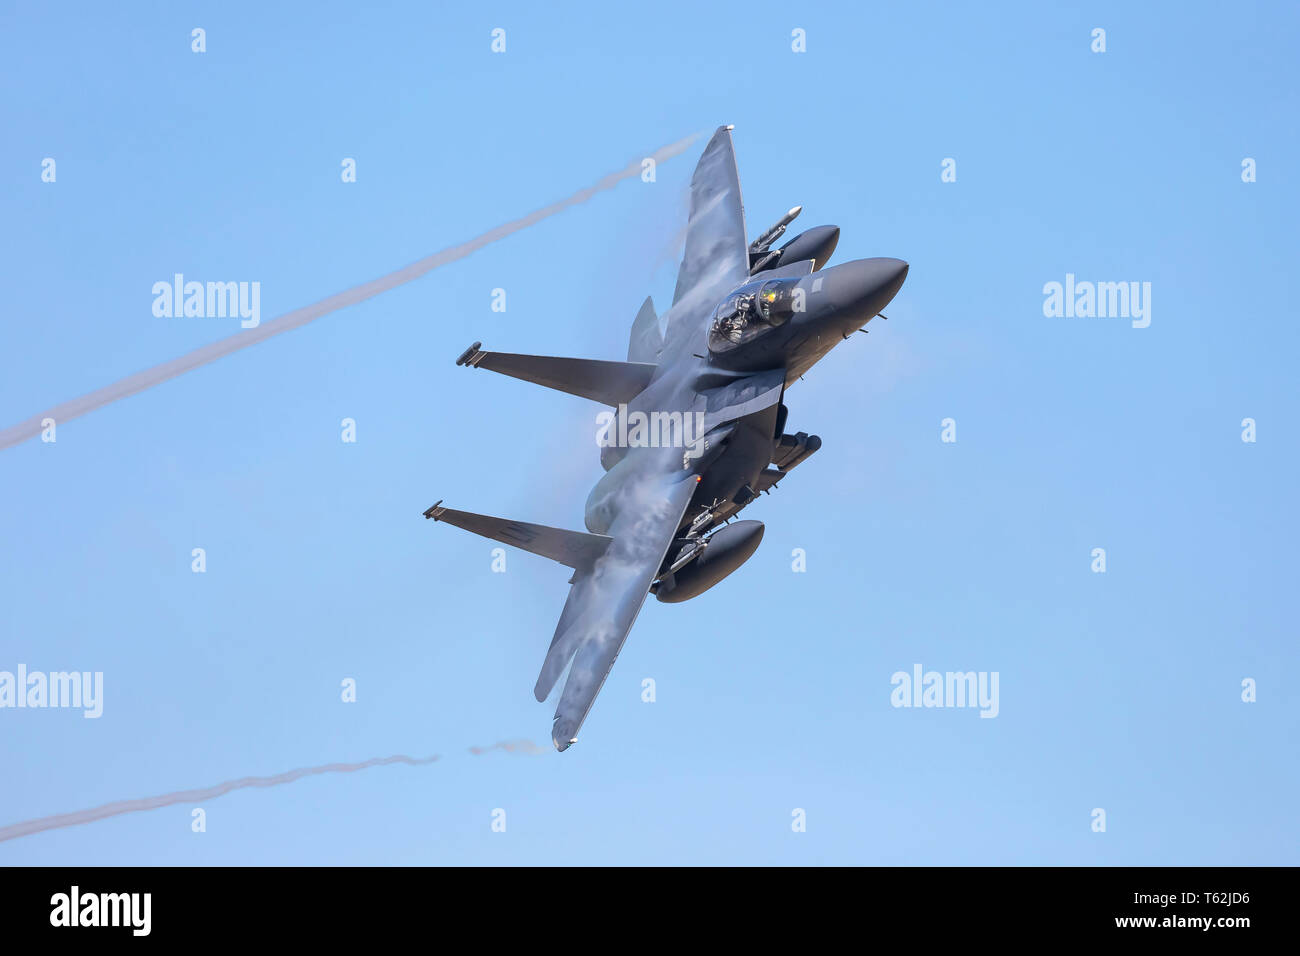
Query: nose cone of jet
[[865, 286]]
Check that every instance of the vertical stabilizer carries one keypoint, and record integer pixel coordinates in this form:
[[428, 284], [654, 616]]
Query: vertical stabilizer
[[646, 341]]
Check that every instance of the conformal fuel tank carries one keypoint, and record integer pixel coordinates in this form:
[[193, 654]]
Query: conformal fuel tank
[[727, 549]]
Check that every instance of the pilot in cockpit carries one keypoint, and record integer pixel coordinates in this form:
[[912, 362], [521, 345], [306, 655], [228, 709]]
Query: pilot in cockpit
[[750, 311], [734, 316]]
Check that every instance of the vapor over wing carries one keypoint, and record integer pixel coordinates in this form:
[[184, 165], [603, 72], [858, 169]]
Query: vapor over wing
[[717, 251], [605, 600]]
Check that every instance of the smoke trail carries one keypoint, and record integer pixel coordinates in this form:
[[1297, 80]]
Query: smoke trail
[[292, 320], [15, 830], [512, 747]]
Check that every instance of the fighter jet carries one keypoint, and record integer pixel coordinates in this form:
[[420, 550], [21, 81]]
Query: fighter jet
[[746, 322]]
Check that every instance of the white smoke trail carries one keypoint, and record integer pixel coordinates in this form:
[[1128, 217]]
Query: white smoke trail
[[15, 830], [512, 747], [292, 320]]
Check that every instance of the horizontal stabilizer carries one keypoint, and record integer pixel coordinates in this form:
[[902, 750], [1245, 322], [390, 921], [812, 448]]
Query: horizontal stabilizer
[[610, 383], [573, 549]]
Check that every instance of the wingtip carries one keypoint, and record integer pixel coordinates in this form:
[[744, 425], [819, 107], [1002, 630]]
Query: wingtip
[[467, 357], [563, 733]]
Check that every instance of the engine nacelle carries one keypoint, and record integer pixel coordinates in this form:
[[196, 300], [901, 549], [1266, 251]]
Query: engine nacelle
[[725, 550]]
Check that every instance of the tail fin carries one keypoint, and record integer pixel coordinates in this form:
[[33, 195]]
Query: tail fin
[[646, 341], [610, 383], [573, 549]]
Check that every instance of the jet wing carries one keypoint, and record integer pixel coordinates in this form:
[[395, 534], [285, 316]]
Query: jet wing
[[717, 251], [606, 599]]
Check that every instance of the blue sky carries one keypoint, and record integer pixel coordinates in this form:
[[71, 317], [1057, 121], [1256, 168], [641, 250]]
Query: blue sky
[[1119, 690]]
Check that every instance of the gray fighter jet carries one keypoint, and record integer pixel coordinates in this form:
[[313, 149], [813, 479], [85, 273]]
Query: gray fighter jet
[[709, 378]]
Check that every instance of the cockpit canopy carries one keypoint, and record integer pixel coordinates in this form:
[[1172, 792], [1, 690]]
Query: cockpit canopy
[[750, 311]]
